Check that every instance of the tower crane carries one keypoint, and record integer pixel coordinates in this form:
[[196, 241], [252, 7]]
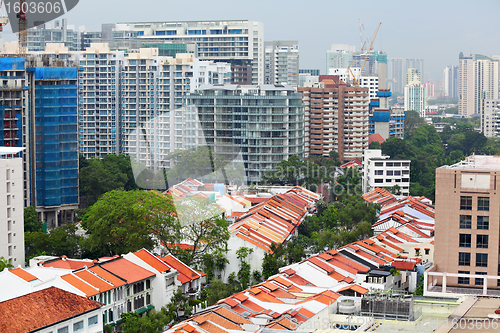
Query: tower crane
[[23, 33], [356, 81]]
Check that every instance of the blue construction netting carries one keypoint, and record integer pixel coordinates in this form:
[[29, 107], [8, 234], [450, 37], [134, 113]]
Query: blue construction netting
[[11, 64], [381, 116], [56, 144], [54, 73], [384, 94]]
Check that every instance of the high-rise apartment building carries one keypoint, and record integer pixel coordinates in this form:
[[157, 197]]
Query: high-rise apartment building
[[413, 76], [240, 43], [490, 117], [415, 98], [339, 56], [39, 107], [450, 81], [397, 69], [258, 126], [467, 214], [477, 80], [336, 118], [39, 36], [370, 82], [282, 62], [11, 205]]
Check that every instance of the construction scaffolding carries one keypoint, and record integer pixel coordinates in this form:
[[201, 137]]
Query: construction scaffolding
[[56, 136]]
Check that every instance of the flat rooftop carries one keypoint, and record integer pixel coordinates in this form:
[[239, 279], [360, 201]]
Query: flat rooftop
[[476, 162]]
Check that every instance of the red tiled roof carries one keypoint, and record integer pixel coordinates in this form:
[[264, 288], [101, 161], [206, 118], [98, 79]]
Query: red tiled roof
[[235, 318], [65, 263], [42, 308], [152, 260], [355, 287], [19, 272], [375, 137], [79, 284], [403, 265], [115, 280], [186, 273], [94, 280], [127, 270]]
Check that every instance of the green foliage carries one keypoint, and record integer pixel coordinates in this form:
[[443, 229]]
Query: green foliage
[[97, 176], [151, 322], [420, 289], [256, 277], [217, 290], [207, 231], [179, 306], [31, 221], [244, 274], [347, 184], [4, 263], [374, 145], [442, 101], [412, 122], [214, 264], [59, 241], [121, 222]]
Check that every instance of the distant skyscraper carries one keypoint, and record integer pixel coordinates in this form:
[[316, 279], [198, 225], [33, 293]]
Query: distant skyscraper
[[415, 98], [450, 81], [282, 62], [478, 80], [413, 76], [39, 36], [396, 72], [339, 56]]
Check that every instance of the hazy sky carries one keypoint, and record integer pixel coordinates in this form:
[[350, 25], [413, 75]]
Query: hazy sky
[[433, 30]]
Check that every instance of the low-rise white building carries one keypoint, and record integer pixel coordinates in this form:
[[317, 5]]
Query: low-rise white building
[[382, 171]]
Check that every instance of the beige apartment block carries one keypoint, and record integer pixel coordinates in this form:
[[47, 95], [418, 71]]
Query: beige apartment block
[[467, 221]]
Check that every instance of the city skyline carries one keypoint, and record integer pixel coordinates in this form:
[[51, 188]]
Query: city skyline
[[328, 23]]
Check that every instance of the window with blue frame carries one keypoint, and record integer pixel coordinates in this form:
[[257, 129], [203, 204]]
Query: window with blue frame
[[160, 33], [140, 33]]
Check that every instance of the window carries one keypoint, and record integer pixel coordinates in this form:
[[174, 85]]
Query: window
[[148, 284], [93, 321], [463, 280], [379, 181], [481, 259], [389, 173], [466, 203], [78, 326], [465, 221], [479, 281], [482, 241], [427, 251], [379, 172], [397, 173], [379, 164], [483, 203], [463, 259], [464, 240], [483, 222], [63, 330]]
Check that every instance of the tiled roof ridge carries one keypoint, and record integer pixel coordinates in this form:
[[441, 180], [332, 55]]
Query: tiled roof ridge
[[95, 274]]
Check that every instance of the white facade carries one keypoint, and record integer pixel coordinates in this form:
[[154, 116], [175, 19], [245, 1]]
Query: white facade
[[89, 322], [282, 62], [370, 82], [339, 56], [382, 171], [11, 206], [415, 99], [239, 42], [490, 117]]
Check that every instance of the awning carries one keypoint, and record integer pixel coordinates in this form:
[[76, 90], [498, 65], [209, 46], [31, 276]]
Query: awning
[[144, 309]]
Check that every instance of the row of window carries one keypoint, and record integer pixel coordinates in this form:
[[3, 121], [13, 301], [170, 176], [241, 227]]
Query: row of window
[[466, 280], [483, 222], [464, 259], [392, 164], [380, 180], [481, 241], [392, 172], [79, 326], [483, 203]]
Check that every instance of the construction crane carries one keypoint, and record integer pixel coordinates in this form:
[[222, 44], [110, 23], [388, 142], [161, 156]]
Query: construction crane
[[370, 48], [361, 28], [3, 18], [356, 81], [23, 33]]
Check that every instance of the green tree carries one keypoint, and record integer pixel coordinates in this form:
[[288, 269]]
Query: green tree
[[31, 221], [374, 145], [151, 322], [207, 231], [217, 290], [4, 264], [244, 274], [179, 306], [59, 241], [412, 122], [125, 221]]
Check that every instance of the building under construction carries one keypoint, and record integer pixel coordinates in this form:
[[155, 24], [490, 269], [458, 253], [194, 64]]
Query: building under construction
[[38, 102]]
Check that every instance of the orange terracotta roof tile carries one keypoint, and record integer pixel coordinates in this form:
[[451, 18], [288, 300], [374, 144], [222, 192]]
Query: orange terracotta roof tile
[[152, 260], [229, 315], [357, 288], [80, 285], [218, 320], [276, 327], [282, 281], [186, 273], [188, 328], [127, 270], [65, 263], [285, 323], [42, 308], [240, 297], [231, 302], [270, 286], [265, 297], [211, 328], [95, 281], [115, 280], [19, 272]]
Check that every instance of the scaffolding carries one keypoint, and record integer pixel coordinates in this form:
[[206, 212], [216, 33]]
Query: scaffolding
[[389, 306]]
